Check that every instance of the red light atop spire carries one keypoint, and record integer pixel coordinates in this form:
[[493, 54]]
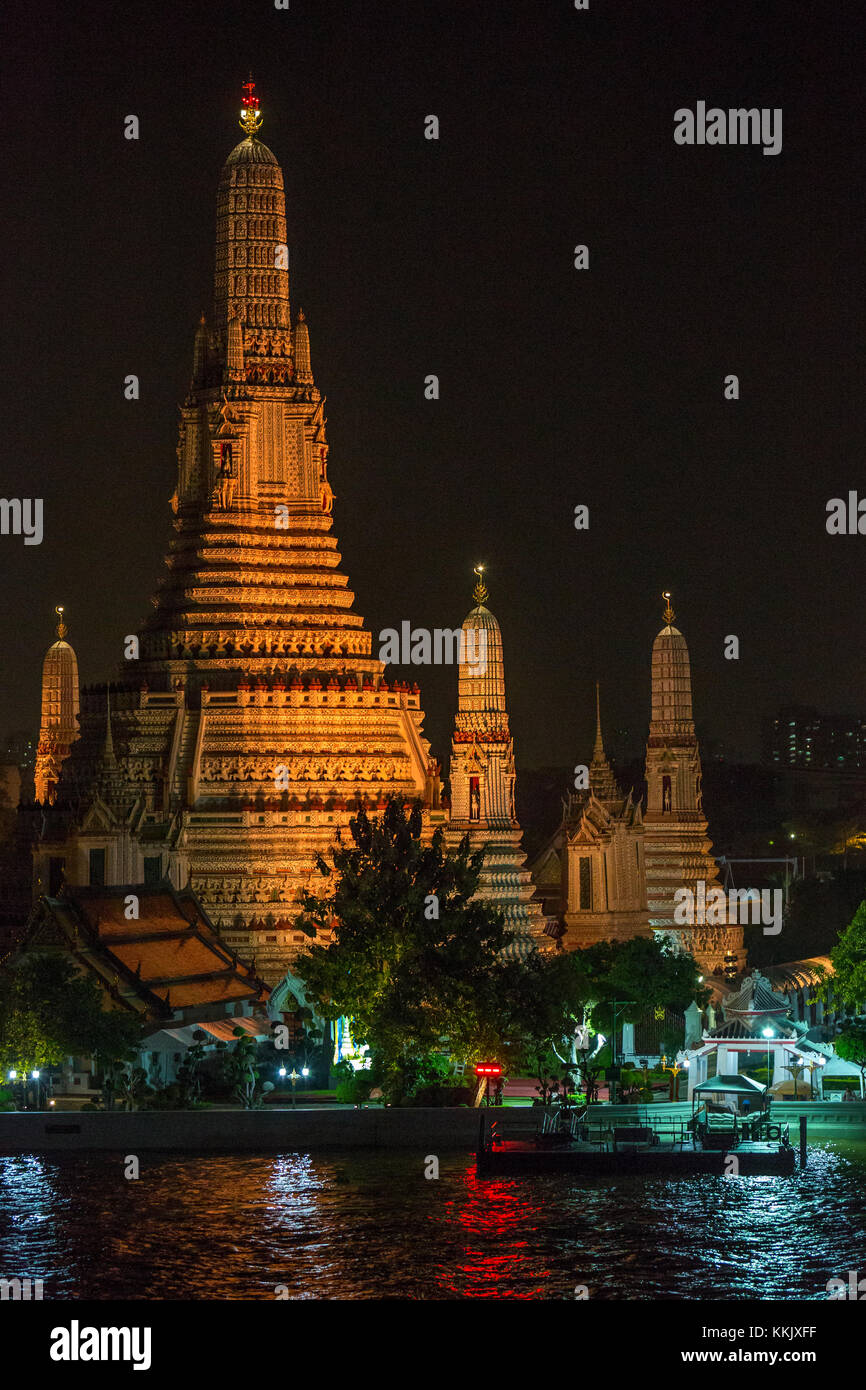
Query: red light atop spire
[[250, 115]]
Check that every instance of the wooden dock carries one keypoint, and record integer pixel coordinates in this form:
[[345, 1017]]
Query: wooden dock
[[513, 1158], [524, 1142]]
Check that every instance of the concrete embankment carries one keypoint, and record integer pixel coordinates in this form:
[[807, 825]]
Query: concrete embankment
[[318, 1130], [239, 1131]]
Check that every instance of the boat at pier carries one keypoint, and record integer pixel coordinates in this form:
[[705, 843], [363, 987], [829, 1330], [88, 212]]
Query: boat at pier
[[730, 1131]]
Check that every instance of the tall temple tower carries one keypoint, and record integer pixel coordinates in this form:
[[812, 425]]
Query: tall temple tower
[[252, 720], [677, 848], [58, 729], [483, 779]]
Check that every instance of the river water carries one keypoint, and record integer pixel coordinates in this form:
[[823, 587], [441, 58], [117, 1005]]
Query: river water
[[366, 1225]]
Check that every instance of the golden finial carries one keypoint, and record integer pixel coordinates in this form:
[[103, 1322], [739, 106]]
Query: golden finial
[[480, 594], [250, 116], [669, 613], [61, 626]]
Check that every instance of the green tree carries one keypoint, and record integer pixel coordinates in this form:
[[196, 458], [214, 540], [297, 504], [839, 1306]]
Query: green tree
[[850, 1044], [636, 974], [848, 982], [48, 1012], [415, 963], [562, 1002]]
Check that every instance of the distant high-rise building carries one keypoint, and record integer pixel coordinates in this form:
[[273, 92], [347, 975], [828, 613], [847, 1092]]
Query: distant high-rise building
[[800, 736]]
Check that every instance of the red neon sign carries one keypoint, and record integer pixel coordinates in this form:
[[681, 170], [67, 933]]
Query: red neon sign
[[488, 1069]]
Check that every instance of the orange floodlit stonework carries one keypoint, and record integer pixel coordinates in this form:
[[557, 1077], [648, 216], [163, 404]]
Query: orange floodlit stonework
[[676, 845], [483, 777], [255, 719], [58, 728]]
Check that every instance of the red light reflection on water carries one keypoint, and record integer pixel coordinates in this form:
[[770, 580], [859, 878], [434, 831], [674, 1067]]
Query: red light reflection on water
[[498, 1212]]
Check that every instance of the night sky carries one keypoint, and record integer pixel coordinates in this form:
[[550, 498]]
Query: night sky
[[455, 257]]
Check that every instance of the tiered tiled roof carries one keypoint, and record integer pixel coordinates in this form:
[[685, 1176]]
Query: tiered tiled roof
[[166, 961]]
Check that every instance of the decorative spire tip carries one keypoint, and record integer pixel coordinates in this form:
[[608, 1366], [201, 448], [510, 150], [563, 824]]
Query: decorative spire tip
[[61, 626], [598, 749], [669, 613], [251, 117], [480, 594]]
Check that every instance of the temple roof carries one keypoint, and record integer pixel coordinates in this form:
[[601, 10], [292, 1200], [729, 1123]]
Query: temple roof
[[481, 617], [251, 151], [737, 1029], [799, 974], [170, 959], [755, 998]]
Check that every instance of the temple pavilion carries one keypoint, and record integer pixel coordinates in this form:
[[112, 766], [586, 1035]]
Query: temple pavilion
[[758, 1028]]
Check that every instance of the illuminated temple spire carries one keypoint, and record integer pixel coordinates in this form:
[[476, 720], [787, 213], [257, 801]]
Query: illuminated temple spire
[[678, 851], [59, 725], [254, 580], [483, 777], [256, 719], [252, 271], [601, 779]]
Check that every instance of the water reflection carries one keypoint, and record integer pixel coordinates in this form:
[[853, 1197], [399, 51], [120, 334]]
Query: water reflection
[[370, 1225]]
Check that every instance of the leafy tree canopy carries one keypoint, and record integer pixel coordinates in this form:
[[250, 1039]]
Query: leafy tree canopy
[[48, 1012], [418, 966], [851, 1042], [849, 964], [414, 962]]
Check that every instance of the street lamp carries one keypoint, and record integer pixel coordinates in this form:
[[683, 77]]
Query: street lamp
[[294, 1077], [768, 1033], [796, 1068]]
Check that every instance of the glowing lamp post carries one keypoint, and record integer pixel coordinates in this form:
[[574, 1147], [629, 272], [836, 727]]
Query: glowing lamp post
[[768, 1034], [294, 1077]]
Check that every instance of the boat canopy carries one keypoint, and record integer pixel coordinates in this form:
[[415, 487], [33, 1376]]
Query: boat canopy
[[732, 1081]]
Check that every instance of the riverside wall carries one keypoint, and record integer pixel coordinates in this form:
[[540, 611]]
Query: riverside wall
[[238, 1131], [319, 1130]]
